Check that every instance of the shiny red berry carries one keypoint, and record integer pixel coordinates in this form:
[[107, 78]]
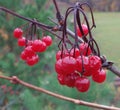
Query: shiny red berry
[[95, 63], [32, 60], [60, 55], [47, 40], [43, 47], [82, 84], [61, 78], [69, 64], [23, 56], [99, 76], [22, 41], [75, 52], [83, 66], [70, 79], [85, 49], [36, 45], [79, 66], [29, 51], [85, 30], [59, 67], [18, 33]]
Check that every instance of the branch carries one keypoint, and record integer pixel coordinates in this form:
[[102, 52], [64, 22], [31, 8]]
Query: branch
[[24, 18], [16, 80], [114, 70]]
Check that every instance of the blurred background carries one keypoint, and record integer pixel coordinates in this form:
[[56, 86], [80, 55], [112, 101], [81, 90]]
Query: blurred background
[[17, 97]]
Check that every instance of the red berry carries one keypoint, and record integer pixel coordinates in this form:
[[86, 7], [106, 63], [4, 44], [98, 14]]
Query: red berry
[[99, 76], [18, 33], [69, 64], [29, 51], [95, 63], [59, 66], [85, 30], [60, 55], [36, 58], [22, 41], [23, 55], [36, 45], [61, 78], [70, 79], [47, 40], [43, 47], [75, 52], [82, 84], [84, 49], [83, 64], [32, 60], [79, 64], [39, 46]]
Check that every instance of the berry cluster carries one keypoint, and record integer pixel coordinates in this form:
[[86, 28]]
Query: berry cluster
[[31, 47], [76, 66]]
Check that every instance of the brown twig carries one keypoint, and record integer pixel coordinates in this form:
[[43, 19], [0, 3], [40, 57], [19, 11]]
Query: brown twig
[[16, 80]]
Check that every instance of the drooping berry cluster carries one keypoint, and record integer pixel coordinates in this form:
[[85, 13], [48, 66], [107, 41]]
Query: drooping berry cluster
[[79, 60], [31, 47], [74, 69]]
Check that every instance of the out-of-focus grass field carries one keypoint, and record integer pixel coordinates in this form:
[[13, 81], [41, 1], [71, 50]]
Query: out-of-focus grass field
[[107, 34]]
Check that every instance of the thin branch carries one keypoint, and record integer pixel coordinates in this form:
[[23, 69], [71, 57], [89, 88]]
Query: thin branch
[[114, 70], [16, 80], [24, 18]]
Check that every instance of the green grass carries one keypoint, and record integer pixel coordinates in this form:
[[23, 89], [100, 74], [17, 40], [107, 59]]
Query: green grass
[[107, 34]]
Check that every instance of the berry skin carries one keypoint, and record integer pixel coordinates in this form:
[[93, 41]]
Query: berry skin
[[36, 45], [84, 49], [85, 66], [39, 46], [32, 60], [47, 40], [99, 76], [82, 84], [58, 55], [95, 63], [22, 41], [59, 67], [64, 54], [75, 52], [43, 47], [29, 51], [23, 56], [61, 78], [69, 64], [85, 30], [79, 64], [18, 33], [70, 79]]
